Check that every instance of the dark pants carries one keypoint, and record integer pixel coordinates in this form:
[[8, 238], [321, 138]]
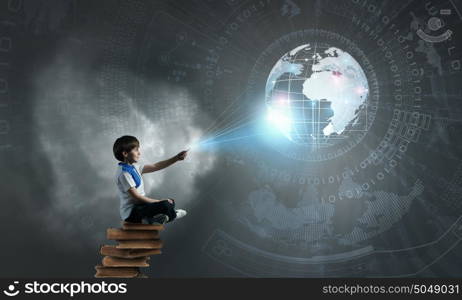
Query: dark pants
[[139, 211]]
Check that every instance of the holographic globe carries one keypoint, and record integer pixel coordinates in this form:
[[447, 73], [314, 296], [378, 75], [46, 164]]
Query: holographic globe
[[315, 94]]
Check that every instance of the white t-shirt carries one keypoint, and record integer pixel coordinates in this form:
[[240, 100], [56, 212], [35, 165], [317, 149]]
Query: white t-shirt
[[124, 182]]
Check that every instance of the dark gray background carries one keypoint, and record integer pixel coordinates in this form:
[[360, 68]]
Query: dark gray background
[[82, 73]]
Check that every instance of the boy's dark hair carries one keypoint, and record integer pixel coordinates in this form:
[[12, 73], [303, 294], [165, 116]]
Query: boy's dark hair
[[124, 143]]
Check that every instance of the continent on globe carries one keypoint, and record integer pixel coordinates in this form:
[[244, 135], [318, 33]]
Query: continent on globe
[[314, 93]]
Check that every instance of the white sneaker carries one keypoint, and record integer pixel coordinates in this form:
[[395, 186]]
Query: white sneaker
[[180, 213]]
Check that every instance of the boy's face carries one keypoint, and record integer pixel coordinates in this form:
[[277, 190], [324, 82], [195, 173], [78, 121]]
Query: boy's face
[[133, 156]]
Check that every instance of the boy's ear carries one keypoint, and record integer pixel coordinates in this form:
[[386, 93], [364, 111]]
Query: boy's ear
[[125, 153]]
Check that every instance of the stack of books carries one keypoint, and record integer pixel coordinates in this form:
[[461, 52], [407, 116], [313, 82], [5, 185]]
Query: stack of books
[[136, 243]]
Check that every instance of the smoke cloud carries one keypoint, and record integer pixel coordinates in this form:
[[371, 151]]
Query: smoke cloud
[[75, 137]]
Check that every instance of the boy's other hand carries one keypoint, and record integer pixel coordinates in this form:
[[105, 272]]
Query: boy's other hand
[[169, 200], [182, 155]]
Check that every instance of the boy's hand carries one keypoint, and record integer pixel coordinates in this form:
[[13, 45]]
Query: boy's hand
[[182, 155]]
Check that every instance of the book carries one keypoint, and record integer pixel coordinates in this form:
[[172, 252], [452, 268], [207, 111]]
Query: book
[[117, 272], [112, 250], [139, 244], [109, 261], [138, 226], [122, 234]]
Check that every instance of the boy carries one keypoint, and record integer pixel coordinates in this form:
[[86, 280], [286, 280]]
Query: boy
[[134, 205]]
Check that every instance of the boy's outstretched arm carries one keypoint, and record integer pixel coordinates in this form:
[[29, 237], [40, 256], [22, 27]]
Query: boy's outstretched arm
[[149, 168]]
